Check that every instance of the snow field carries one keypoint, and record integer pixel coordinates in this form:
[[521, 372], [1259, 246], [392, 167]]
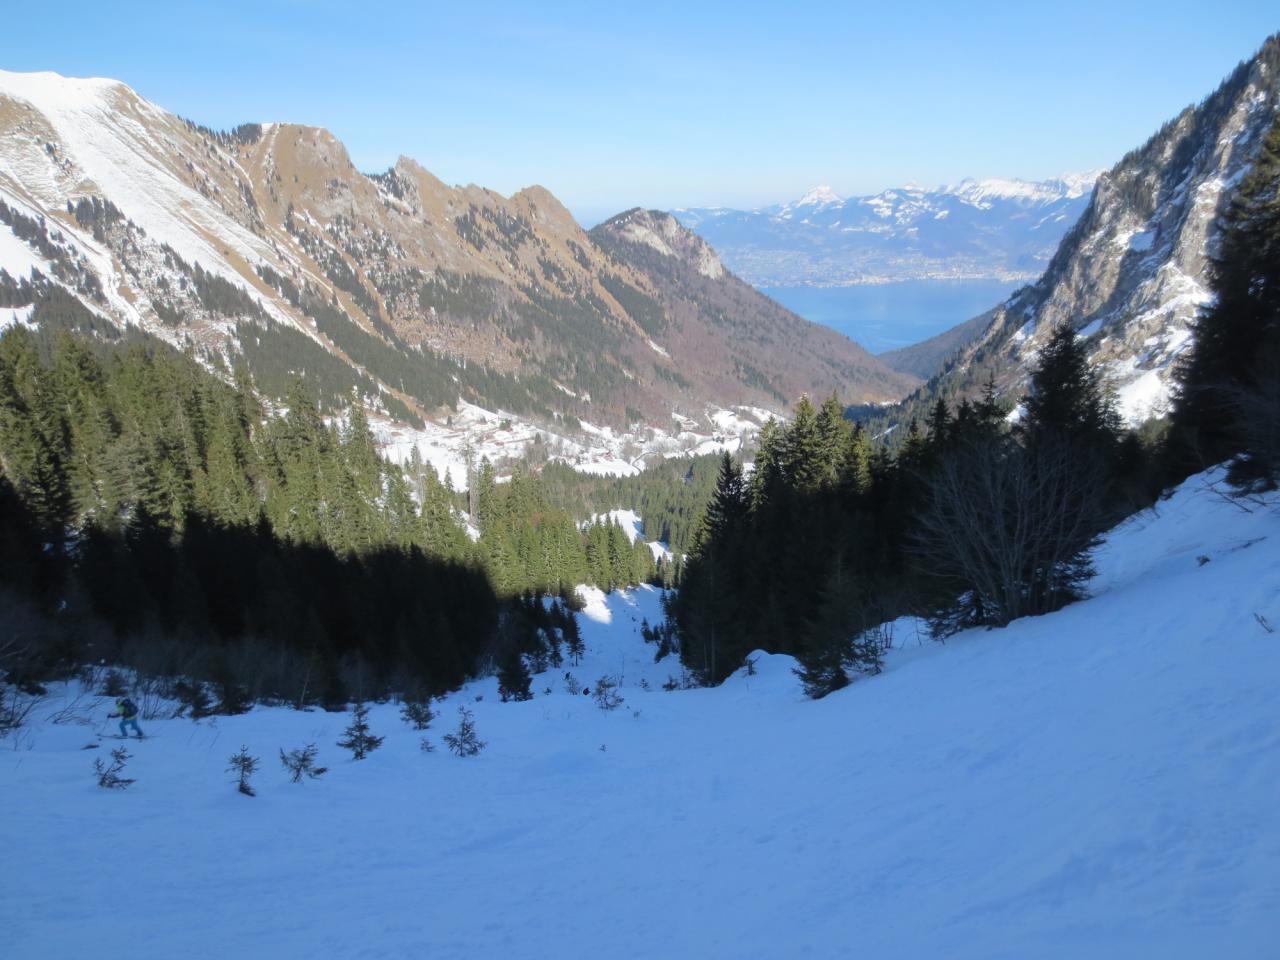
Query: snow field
[[1099, 782]]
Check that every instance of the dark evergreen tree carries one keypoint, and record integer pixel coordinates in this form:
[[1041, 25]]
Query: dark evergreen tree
[[708, 604], [1066, 399], [416, 710], [514, 678], [357, 738], [1228, 399]]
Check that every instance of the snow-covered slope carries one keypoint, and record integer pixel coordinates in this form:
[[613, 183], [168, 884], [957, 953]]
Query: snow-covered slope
[[977, 229], [1095, 783]]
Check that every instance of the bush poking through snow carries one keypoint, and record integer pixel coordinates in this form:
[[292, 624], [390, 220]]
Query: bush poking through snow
[[358, 739], [243, 766], [301, 763], [571, 685], [417, 713], [464, 743], [607, 696], [109, 774]]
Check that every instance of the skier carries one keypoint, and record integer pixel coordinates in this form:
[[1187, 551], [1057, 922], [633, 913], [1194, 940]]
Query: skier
[[128, 714]]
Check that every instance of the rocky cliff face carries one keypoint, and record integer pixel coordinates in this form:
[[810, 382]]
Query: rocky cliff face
[[1132, 273], [264, 246]]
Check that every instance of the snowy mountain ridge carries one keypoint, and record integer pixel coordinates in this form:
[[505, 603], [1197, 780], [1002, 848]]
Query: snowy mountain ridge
[[265, 244], [1069, 186], [991, 228], [1093, 782]]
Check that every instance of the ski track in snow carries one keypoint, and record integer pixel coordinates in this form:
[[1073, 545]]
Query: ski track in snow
[[1099, 782]]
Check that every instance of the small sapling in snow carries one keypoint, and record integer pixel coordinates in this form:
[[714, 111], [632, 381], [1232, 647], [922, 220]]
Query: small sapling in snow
[[243, 766], [301, 763], [417, 712], [464, 743], [109, 774], [607, 696], [357, 737]]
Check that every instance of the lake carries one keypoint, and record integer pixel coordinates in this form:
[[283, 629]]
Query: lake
[[886, 316]]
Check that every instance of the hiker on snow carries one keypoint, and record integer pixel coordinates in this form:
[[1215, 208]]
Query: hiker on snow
[[128, 715]]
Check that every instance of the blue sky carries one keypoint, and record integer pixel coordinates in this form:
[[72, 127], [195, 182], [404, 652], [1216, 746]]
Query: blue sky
[[615, 105]]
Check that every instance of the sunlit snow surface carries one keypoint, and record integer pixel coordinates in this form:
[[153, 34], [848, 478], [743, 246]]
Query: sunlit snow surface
[[1099, 782]]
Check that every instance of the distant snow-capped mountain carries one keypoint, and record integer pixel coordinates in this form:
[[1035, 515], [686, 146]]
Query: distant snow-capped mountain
[[990, 229]]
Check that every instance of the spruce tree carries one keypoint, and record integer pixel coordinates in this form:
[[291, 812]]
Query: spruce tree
[[464, 742], [514, 678], [1066, 399], [834, 433], [244, 767], [707, 605], [1228, 398], [357, 737], [804, 454]]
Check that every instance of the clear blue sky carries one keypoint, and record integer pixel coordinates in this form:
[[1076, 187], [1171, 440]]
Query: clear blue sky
[[614, 105]]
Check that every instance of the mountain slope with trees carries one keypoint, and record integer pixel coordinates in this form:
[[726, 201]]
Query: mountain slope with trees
[[264, 246]]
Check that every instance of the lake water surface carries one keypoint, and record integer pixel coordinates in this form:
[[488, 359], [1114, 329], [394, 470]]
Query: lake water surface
[[886, 316]]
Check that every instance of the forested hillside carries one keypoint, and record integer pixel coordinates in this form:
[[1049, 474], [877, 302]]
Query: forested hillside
[[974, 517], [157, 516]]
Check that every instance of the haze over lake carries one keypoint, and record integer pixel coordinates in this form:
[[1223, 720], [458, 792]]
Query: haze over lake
[[886, 316]]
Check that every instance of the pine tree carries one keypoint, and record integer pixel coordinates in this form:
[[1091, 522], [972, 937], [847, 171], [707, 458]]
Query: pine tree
[[1066, 399], [939, 427], [834, 433], [108, 775], [243, 766], [707, 605], [766, 479], [464, 742], [606, 694], [416, 711], [514, 678], [302, 763], [1228, 398], [855, 464], [357, 737], [804, 455], [728, 506]]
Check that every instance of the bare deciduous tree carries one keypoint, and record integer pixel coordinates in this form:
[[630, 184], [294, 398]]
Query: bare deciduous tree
[[1007, 528]]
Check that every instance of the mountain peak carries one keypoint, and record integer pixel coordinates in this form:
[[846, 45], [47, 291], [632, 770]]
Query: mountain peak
[[819, 197], [47, 90], [663, 232], [1069, 186]]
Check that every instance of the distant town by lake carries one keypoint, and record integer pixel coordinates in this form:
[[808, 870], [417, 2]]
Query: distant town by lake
[[886, 316]]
